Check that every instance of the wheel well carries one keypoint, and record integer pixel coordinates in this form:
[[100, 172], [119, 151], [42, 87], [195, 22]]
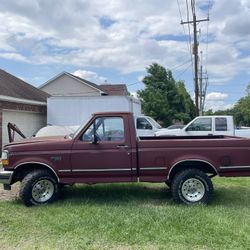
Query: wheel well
[[201, 165], [22, 170]]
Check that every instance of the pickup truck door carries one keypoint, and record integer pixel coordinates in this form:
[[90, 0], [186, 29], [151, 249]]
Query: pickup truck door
[[223, 126], [200, 126], [106, 158]]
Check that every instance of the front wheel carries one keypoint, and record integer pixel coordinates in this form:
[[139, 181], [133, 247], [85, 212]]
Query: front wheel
[[192, 186], [38, 188]]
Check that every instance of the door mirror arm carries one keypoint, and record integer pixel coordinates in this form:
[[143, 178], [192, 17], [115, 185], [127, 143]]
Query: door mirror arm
[[94, 139]]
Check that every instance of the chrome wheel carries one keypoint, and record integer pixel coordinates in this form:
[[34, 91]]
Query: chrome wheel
[[43, 190], [193, 190]]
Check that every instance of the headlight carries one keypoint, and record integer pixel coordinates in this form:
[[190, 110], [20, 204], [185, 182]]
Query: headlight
[[5, 158]]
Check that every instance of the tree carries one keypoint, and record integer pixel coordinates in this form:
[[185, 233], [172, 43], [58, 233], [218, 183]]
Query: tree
[[220, 112], [163, 98], [240, 112], [187, 107]]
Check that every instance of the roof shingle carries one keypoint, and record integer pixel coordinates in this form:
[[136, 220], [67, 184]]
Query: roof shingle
[[15, 87], [109, 89], [114, 89]]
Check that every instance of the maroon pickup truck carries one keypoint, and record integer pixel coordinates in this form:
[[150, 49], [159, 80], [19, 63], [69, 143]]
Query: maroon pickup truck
[[106, 150]]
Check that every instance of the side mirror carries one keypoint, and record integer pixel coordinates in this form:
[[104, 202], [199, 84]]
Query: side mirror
[[94, 139], [148, 126]]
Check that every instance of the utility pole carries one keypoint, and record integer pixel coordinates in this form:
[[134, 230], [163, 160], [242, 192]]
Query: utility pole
[[204, 92], [200, 88], [195, 53]]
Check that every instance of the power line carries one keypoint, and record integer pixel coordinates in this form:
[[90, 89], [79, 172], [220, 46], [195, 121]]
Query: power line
[[188, 40], [180, 65], [195, 51], [184, 71], [206, 52]]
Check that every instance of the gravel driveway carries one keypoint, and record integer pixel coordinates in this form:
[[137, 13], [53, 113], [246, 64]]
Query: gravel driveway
[[9, 195]]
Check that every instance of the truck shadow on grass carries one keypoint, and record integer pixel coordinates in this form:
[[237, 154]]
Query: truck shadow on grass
[[122, 194], [232, 197], [116, 194]]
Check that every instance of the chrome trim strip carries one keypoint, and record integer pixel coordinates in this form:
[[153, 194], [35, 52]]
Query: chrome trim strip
[[103, 169], [41, 163], [86, 170], [236, 167], [191, 160], [64, 170], [154, 168]]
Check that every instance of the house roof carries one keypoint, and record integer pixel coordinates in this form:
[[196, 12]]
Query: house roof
[[114, 89], [12, 86], [105, 89], [90, 84]]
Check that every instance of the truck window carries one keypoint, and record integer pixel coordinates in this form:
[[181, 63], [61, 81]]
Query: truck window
[[220, 124], [107, 129], [201, 124], [142, 123]]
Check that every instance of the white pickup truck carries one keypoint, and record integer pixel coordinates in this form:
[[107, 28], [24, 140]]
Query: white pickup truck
[[207, 125]]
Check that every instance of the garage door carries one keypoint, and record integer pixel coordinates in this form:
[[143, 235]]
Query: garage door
[[27, 122]]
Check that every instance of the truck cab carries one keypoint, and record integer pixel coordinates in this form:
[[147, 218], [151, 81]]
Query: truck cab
[[146, 126], [204, 125]]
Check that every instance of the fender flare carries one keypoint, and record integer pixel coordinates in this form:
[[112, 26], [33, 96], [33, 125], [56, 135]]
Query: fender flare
[[38, 163], [190, 160]]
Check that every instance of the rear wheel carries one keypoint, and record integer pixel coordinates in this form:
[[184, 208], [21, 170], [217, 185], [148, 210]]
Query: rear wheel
[[192, 186], [38, 188]]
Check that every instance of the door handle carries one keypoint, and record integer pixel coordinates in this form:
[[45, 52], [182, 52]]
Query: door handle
[[122, 146]]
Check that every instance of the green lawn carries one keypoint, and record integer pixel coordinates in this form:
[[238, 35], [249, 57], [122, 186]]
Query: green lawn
[[130, 216]]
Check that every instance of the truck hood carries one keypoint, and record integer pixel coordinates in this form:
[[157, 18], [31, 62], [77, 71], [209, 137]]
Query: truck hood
[[36, 139], [40, 143]]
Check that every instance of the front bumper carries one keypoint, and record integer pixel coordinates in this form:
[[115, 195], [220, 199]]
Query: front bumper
[[6, 177]]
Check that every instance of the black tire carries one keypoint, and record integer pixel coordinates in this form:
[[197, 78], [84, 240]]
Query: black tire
[[38, 187], [192, 186]]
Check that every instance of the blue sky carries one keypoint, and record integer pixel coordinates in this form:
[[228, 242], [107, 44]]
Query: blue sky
[[114, 41]]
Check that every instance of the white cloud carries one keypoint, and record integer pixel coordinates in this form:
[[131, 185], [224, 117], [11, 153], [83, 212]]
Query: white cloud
[[216, 96], [140, 78], [217, 101], [13, 56], [90, 76], [70, 33], [219, 105], [39, 27]]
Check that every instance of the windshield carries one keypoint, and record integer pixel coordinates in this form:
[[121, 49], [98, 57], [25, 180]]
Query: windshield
[[73, 135], [155, 124]]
